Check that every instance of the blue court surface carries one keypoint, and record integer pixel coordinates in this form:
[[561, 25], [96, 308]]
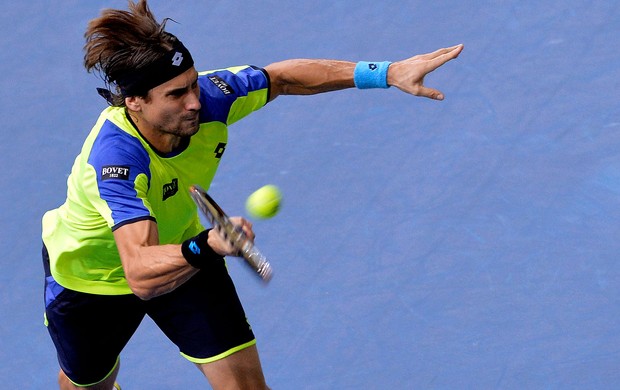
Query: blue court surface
[[472, 243]]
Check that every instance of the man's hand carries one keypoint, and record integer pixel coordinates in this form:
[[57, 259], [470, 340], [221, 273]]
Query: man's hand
[[220, 245], [408, 75]]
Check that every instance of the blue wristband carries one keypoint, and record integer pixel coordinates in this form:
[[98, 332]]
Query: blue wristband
[[371, 74]]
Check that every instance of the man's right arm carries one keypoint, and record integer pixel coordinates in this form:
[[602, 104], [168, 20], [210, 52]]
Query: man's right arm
[[152, 269]]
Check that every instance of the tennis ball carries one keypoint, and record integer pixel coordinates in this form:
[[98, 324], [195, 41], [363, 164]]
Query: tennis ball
[[265, 202]]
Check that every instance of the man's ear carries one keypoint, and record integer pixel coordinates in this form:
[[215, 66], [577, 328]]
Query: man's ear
[[133, 103]]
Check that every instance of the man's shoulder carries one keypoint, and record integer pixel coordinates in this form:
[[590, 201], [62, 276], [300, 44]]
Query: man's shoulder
[[234, 80], [114, 137], [244, 88]]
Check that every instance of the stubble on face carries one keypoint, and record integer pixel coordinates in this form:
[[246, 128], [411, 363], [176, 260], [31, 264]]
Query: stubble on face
[[172, 111]]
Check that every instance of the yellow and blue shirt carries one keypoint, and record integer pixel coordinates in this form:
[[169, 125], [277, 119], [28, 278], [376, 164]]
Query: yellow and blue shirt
[[118, 178]]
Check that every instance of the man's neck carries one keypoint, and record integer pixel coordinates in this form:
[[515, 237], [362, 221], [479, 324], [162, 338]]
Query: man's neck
[[162, 143]]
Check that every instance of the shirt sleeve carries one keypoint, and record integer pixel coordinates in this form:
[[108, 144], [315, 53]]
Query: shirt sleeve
[[122, 175], [230, 94]]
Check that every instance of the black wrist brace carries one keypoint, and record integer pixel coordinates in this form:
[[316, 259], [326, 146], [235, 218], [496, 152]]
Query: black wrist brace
[[197, 251]]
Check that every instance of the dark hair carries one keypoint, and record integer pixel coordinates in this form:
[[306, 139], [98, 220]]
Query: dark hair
[[118, 42]]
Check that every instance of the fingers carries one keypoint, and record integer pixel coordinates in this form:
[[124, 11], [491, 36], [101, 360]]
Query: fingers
[[431, 93], [245, 225], [451, 52], [220, 240], [441, 56], [247, 229]]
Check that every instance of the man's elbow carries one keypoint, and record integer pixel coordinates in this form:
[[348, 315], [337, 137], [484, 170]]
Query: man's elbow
[[140, 290]]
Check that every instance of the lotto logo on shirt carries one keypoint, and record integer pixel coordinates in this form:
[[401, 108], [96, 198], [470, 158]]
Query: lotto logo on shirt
[[115, 172]]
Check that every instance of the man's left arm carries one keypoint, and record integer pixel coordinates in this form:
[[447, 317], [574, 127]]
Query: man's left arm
[[312, 76]]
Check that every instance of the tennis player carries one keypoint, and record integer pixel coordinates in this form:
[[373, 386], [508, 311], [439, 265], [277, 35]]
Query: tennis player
[[128, 241]]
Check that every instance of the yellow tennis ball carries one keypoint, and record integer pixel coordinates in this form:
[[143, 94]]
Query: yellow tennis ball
[[265, 202]]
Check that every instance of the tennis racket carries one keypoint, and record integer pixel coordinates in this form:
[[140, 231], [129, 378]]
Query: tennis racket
[[234, 234]]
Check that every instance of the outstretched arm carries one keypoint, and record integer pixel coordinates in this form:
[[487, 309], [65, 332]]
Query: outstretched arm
[[308, 76]]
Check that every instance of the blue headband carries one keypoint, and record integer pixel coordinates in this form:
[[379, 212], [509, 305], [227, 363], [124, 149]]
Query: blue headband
[[140, 81]]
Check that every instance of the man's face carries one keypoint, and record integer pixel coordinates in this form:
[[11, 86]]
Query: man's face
[[172, 108]]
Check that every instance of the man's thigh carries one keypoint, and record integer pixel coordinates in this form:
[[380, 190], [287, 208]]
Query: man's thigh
[[204, 316], [90, 331]]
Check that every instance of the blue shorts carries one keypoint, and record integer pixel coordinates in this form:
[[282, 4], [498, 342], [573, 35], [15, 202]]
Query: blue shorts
[[203, 317]]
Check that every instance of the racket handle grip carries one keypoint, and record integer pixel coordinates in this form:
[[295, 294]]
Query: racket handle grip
[[258, 261]]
